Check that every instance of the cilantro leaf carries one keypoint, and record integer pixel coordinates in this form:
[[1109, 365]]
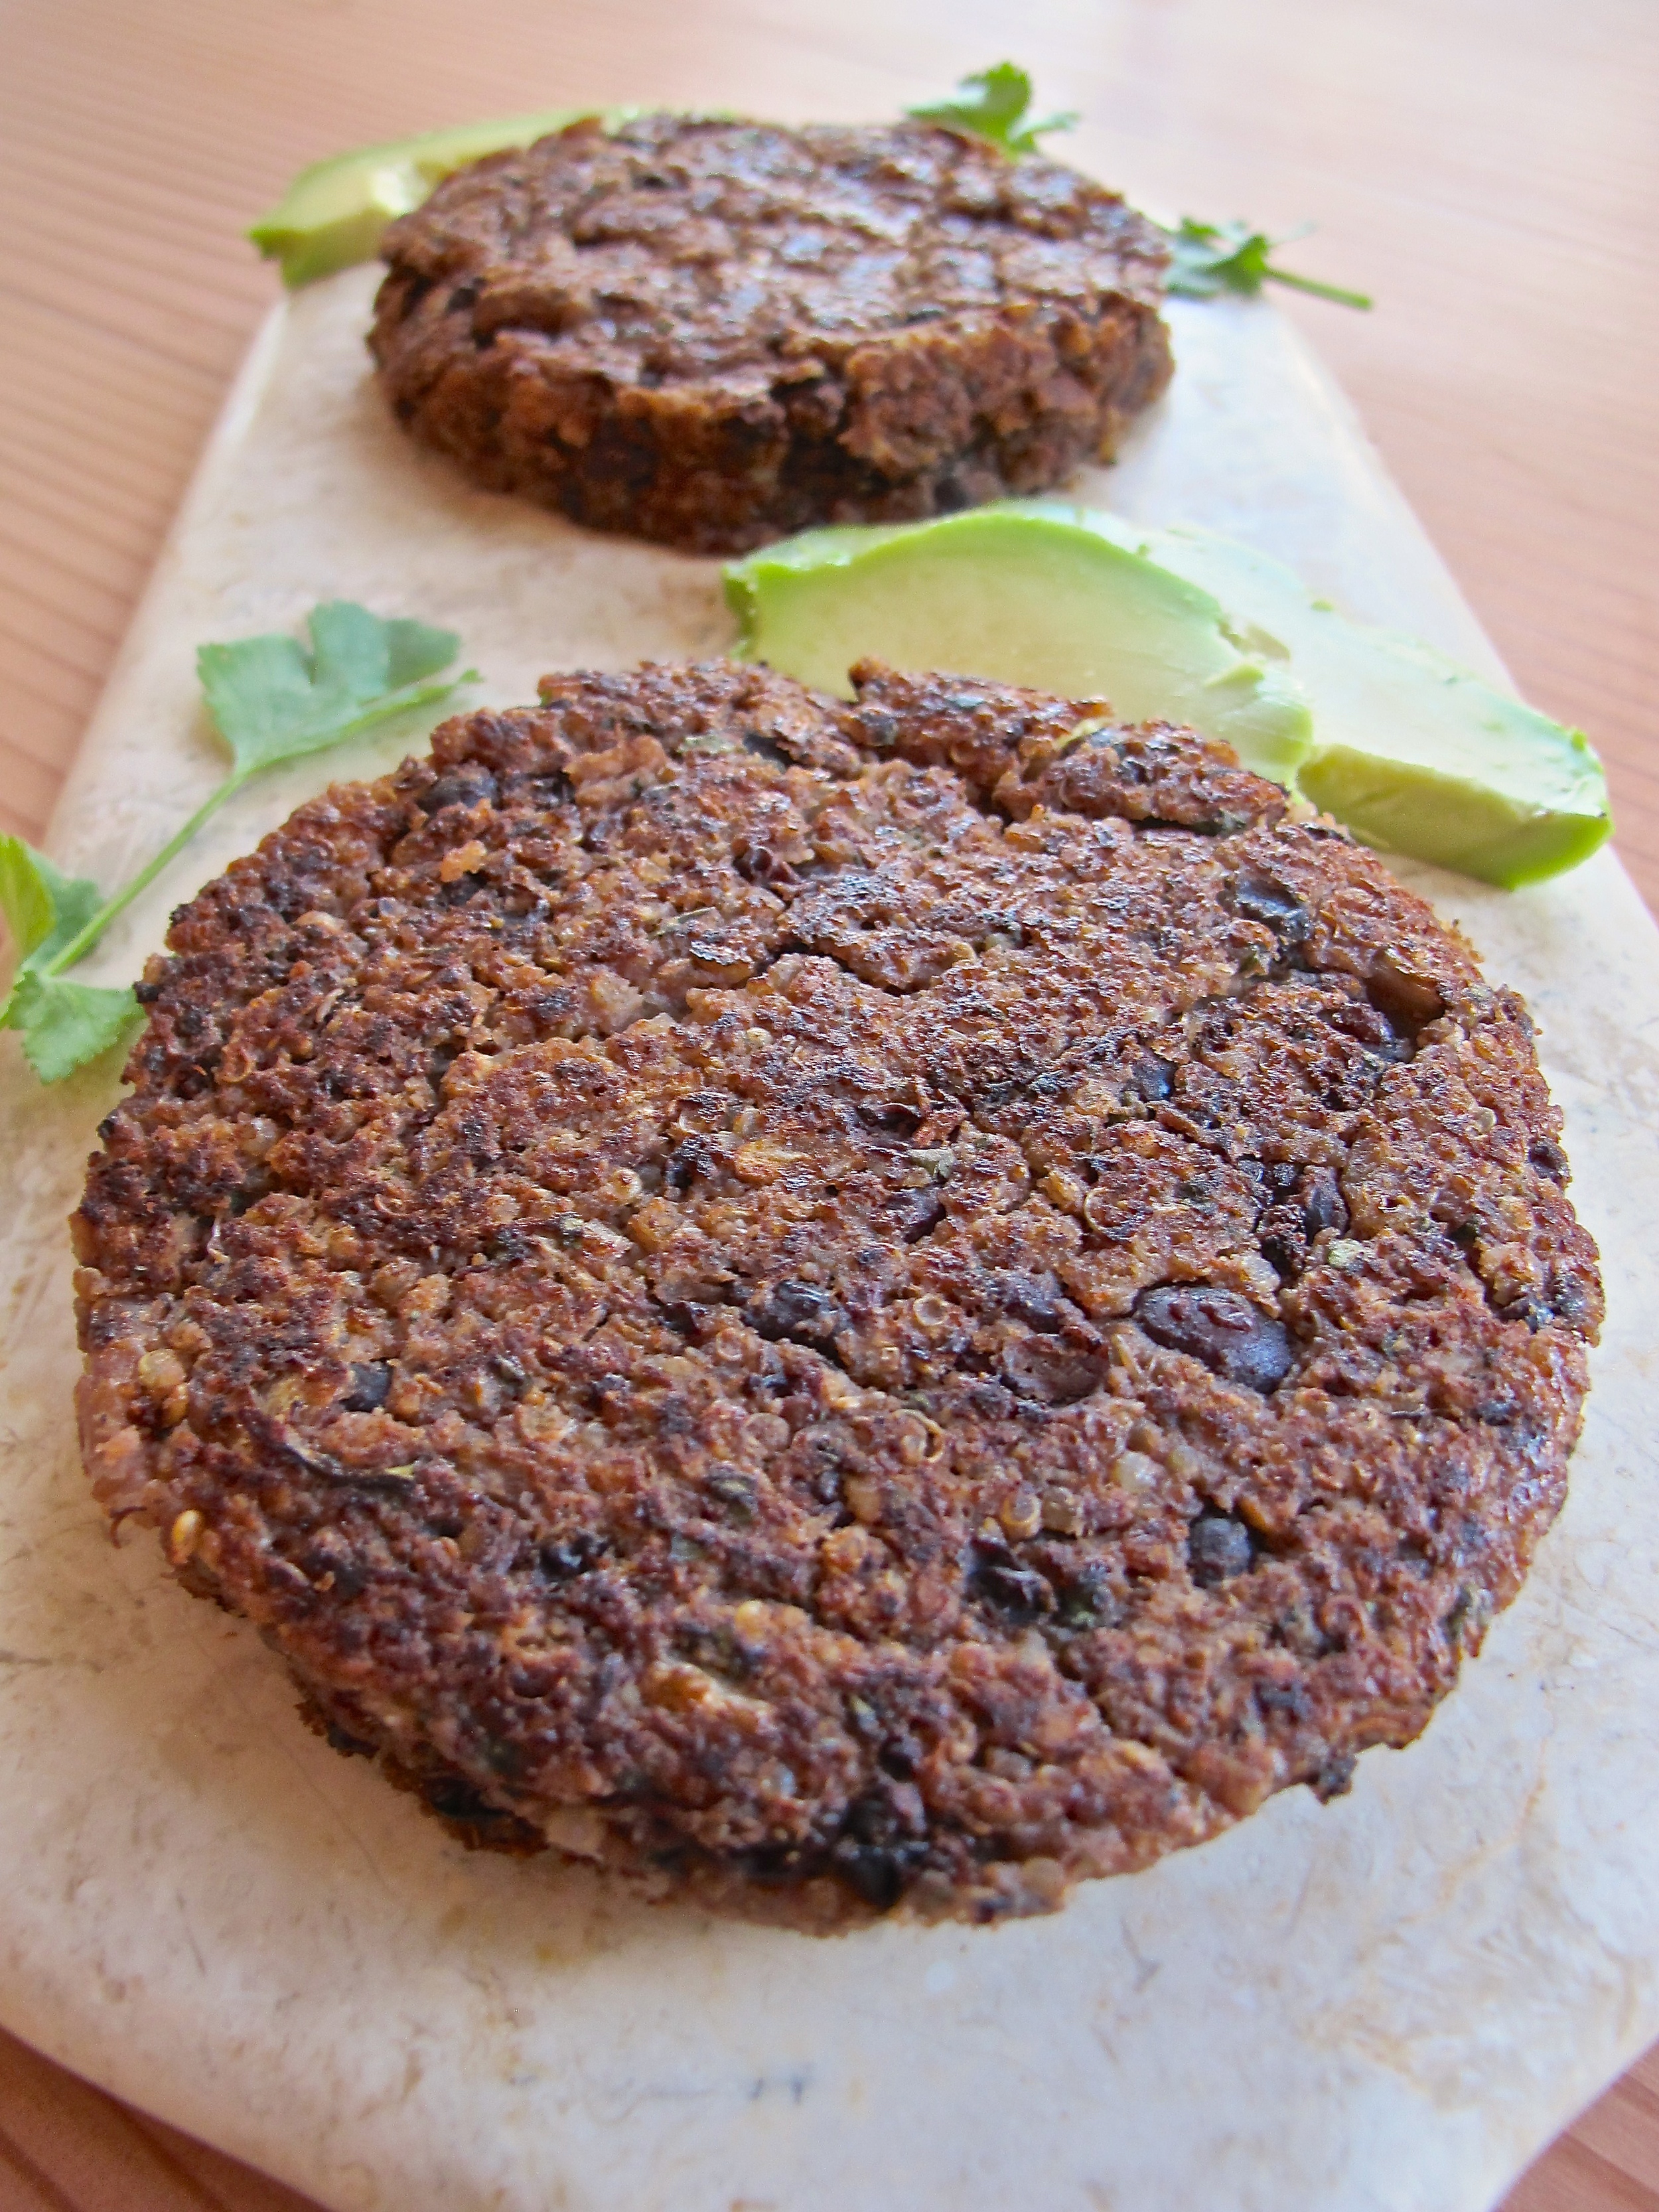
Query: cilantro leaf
[[65, 1024], [44, 908], [272, 701], [1207, 258], [992, 103]]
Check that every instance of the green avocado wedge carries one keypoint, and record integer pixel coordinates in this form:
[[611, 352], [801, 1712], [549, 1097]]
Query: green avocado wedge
[[333, 213], [1016, 595], [1411, 751]]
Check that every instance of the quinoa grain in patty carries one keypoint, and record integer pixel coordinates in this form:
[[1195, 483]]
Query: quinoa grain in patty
[[900, 1302], [711, 333]]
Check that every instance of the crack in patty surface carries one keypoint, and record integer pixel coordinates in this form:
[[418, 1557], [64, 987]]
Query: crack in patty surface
[[908, 1301]]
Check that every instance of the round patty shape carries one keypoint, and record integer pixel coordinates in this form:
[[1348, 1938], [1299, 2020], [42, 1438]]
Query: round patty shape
[[712, 334], [902, 1301]]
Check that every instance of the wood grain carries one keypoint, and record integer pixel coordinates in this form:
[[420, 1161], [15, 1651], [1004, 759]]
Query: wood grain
[[1487, 168]]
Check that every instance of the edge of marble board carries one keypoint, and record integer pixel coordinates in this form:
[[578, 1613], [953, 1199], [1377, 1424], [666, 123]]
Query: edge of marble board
[[1408, 2089]]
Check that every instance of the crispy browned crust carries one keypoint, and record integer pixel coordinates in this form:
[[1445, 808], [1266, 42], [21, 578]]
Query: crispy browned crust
[[891, 1302], [710, 333]]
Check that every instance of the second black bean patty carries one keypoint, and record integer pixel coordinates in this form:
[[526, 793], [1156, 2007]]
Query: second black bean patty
[[901, 1302], [712, 333]]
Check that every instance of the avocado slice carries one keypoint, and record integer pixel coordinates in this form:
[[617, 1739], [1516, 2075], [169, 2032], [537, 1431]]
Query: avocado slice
[[334, 212], [1414, 752], [1024, 596], [1409, 748]]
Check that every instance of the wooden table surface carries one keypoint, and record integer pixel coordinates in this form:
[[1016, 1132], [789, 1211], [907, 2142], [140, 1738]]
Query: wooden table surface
[[1487, 168]]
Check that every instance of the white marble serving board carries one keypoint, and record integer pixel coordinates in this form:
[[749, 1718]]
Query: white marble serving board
[[1388, 2001]]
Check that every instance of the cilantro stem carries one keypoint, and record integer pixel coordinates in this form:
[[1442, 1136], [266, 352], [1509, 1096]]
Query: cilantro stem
[[80, 945], [414, 696], [1342, 298]]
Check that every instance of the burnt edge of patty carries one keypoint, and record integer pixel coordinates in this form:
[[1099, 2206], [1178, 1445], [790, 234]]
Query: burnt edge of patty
[[711, 334], [1169, 1368]]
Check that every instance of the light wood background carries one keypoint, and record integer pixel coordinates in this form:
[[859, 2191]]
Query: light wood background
[[1488, 168]]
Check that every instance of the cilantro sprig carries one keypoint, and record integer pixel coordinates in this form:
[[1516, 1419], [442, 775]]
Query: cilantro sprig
[[994, 103], [271, 701], [1207, 258]]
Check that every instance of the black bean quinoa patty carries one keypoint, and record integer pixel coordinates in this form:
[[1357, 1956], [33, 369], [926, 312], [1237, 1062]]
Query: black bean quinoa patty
[[711, 333], [891, 1302]]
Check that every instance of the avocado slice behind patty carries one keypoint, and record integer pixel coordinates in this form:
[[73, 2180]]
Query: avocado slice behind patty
[[334, 212], [1017, 594], [1411, 750]]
